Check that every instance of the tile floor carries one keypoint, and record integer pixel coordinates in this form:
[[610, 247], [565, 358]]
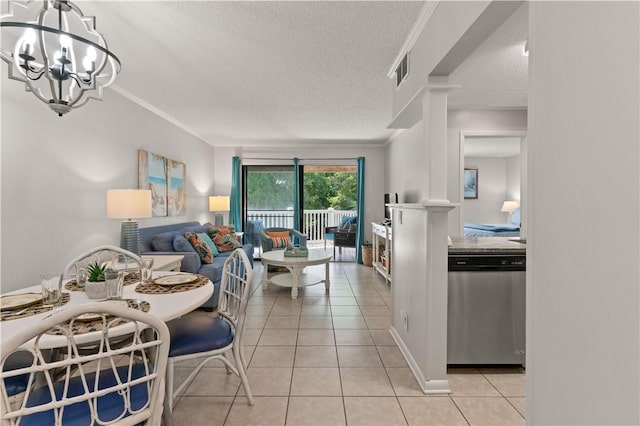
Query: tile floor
[[328, 359]]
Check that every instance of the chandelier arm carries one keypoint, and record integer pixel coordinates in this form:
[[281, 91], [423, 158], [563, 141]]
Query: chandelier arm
[[57, 31]]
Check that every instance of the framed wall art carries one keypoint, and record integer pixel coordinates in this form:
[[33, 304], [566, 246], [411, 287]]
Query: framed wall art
[[470, 183], [167, 180]]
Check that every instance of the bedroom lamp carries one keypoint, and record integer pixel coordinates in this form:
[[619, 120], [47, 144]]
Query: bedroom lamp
[[129, 204], [509, 207], [219, 204]]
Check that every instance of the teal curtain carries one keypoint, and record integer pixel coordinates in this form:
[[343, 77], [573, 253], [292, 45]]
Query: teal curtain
[[235, 208], [360, 210], [296, 195]]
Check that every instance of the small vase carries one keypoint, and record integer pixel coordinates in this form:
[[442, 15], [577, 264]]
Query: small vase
[[96, 289]]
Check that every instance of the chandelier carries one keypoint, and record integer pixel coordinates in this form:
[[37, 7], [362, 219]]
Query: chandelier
[[59, 55]]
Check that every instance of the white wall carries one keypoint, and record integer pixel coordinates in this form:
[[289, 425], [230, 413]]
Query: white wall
[[513, 177], [492, 190], [405, 165], [583, 298], [374, 169], [56, 171]]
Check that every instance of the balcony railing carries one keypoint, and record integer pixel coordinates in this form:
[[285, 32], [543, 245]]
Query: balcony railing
[[314, 221]]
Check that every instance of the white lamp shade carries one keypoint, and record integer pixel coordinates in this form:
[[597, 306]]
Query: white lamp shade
[[509, 206], [219, 203], [128, 203]]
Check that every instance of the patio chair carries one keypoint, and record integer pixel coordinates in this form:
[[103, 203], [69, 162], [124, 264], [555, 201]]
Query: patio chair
[[109, 386], [343, 235], [203, 336]]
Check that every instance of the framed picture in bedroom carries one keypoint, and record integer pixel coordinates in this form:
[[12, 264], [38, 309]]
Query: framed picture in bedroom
[[470, 183]]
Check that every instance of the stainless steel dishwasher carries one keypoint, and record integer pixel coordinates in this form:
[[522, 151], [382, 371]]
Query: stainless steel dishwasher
[[486, 309]]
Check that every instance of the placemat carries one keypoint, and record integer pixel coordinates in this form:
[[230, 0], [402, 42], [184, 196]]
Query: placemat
[[130, 278], [34, 309], [81, 327], [151, 288]]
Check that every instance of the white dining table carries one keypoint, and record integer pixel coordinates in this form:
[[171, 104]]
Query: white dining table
[[163, 306]]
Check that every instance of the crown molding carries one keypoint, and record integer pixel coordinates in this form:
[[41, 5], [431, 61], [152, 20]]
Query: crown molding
[[416, 30]]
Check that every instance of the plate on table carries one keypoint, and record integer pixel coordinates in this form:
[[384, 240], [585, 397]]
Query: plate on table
[[90, 316], [15, 301], [176, 279]]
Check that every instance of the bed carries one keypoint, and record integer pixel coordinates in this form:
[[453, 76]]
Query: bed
[[475, 230]]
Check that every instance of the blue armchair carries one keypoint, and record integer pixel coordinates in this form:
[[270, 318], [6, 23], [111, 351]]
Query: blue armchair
[[297, 237]]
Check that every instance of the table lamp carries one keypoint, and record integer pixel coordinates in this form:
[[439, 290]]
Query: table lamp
[[509, 207], [129, 204], [219, 204]]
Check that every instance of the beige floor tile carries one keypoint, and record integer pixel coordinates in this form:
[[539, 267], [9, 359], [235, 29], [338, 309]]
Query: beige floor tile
[[278, 337], [273, 356], [213, 382], [519, 404], [257, 321], [268, 411], [404, 382], [258, 310], [318, 322], [313, 337], [358, 356], [433, 410], [268, 381], [353, 337], [343, 301], [292, 310], [343, 323], [370, 301], [316, 382], [179, 374], [315, 301], [316, 356], [471, 385], [373, 310], [316, 310], [264, 300], [378, 322], [315, 411], [392, 357], [250, 336], [508, 384], [342, 311], [336, 291], [382, 338], [373, 411], [282, 322], [198, 411], [488, 411], [365, 382]]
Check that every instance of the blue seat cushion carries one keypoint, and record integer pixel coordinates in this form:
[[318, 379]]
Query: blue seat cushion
[[110, 406], [213, 271], [198, 333], [17, 384]]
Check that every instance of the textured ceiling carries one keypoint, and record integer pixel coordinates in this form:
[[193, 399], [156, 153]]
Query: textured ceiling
[[261, 72], [495, 74], [255, 73]]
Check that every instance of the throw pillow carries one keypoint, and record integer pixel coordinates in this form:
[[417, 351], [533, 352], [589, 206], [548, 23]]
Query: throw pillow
[[163, 241], [181, 244], [200, 247], [224, 237], [280, 239], [207, 239]]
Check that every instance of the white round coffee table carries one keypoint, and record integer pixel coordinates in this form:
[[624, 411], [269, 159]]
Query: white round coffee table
[[295, 265]]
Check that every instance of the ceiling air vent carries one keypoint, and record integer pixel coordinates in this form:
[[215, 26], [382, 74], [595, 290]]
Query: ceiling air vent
[[402, 70]]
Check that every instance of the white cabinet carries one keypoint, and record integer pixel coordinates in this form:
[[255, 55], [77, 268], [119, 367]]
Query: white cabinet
[[382, 250]]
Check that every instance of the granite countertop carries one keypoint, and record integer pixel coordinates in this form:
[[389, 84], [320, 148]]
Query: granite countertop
[[502, 245]]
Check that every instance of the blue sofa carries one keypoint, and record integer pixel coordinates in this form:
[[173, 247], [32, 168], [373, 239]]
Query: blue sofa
[[166, 239]]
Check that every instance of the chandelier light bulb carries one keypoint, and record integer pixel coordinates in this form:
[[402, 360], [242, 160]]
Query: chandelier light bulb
[[65, 41]]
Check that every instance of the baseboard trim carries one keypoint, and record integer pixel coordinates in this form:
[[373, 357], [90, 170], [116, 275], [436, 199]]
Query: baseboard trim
[[428, 387]]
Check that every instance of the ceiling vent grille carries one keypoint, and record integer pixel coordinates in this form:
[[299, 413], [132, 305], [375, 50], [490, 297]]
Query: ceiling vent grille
[[402, 71]]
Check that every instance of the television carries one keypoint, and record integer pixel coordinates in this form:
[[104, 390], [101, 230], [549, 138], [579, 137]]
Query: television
[[391, 198]]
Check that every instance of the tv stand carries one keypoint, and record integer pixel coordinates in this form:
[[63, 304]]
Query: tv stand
[[382, 237]]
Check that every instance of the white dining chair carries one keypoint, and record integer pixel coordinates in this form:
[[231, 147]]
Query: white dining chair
[[122, 385], [111, 256], [208, 337]]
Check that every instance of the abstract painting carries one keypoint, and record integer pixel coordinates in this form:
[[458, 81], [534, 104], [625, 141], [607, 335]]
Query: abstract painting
[[167, 181], [470, 183]]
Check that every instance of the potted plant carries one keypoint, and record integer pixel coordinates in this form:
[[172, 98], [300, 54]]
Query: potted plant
[[96, 287]]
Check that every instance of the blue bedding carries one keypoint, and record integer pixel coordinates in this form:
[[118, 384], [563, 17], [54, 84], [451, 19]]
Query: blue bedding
[[474, 230]]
